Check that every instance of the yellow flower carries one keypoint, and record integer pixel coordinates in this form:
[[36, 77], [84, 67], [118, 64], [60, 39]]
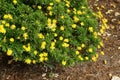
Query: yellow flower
[[62, 17], [10, 16], [43, 45], [66, 40], [94, 59], [51, 4], [102, 53], [41, 55], [96, 55], [95, 34], [41, 59], [87, 58], [63, 62], [49, 8], [61, 38], [13, 26], [74, 25], [79, 12], [52, 43], [3, 21], [82, 23], [54, 40], [25, 35], [83, 7], [5, 16], [54, 21], [83, 45], [7, 24], [68, 11], [28, 61], [76, 19], [65, 45], [9, 52], [79, 48], [50, 13], [90, 29], [35, 52], [105, 61], [39, 7], [88, 16], [12, 39], [15, 2], [46, 59], [34, 62], [101, 44], [98, 47], [58, 0], [67, 5], [41, 35], [18, 37], [77, 52], [2, 29], [90, 50], [104, 20], [55, 34], [27, 48], [62, 28], [49, 20], [23, 28], [100, 14], [101, 31], [80, 58], [45, 54], [52, 47], [53, 29]]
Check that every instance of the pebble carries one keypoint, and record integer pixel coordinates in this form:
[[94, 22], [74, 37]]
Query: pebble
[[44, 74], [110, 75], [113, 20], [115, 78], [117, 14], [118, 47]]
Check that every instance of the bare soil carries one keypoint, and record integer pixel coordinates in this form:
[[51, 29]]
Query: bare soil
[[85, 71]]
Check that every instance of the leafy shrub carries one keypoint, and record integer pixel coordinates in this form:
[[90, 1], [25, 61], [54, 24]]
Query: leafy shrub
[[47, 31]]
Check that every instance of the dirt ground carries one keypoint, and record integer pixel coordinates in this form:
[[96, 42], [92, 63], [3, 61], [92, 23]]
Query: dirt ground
[[106, 66]]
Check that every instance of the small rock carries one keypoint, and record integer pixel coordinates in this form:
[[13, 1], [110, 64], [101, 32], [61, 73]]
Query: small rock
[[8, 77], [44, 74], [118, 47], [56, 75], [115, 78], [113, 20], [110, 75], [117, 14]]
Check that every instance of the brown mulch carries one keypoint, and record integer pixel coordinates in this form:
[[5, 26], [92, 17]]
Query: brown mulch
[[85, 71]]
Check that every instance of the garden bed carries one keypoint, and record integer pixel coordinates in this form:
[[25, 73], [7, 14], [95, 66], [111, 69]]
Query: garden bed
[[105, 67]]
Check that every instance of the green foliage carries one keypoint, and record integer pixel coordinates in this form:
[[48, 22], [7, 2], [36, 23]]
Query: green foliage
[[47, 31]]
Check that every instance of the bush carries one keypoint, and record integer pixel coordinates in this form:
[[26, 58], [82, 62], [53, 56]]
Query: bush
[[48, 31]]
